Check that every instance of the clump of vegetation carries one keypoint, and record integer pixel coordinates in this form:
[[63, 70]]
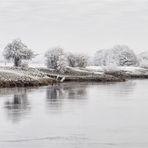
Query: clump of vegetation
[[77, 60], [56, 59], [120, 55]]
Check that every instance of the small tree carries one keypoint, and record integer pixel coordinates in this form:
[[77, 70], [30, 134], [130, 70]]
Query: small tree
[[56, 59], [82, 60], [71, 60], [17, 51], [100, 57], [143, 59], [77, 60]]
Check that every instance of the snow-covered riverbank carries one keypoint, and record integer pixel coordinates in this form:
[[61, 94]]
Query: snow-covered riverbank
[[22, 77], [19, 77], [125, 71]]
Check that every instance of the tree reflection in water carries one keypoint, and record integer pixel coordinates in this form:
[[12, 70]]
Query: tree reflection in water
[[77, 92], [18, 106], [54, 96], [57, 95]]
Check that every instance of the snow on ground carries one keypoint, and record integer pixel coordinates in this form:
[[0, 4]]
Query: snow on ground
[[87, 71], [30, 63], [8, 73], [131, 69], [95, 68], [11, 73], [37, 65], [134, 70], [126, 69], [22, 77]]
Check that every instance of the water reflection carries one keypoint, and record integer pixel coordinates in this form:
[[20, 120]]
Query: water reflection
[[61, 115], [77, 92], [123, 89], [17, 106], [16, 90], [54, 96], [57, 95], [127, 87]]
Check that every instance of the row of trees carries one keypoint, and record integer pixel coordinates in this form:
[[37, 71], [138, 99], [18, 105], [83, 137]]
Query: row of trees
[[57, 59]]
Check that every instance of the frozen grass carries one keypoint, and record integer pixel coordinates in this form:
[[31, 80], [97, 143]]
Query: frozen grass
[[10, 77]]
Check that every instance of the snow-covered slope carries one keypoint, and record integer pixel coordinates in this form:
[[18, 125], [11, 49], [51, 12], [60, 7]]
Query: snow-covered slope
[[128, 70], [10, 77]]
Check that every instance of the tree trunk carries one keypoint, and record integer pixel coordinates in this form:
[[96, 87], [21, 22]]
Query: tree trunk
[[17, 62]]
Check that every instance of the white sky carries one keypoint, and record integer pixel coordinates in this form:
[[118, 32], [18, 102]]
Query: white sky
[[77, 25]]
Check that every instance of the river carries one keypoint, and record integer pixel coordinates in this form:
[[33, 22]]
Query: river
[[75, 115]]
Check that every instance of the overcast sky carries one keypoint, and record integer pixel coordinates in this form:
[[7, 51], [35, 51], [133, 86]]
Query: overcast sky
[[76, 25]]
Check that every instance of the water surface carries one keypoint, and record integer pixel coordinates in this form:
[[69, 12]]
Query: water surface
[[75, 115]]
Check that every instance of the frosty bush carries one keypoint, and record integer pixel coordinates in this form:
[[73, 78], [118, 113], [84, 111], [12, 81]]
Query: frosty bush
[[17, 51], [71, 60], [143, 59], [125, 56], [100, 58], [118, 55], [77, 60], [56, 59], [82, 60]]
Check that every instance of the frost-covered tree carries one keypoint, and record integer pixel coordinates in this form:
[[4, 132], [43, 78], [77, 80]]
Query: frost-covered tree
[[143, 59], [71, 60], [82, 60], [77, 60], [120, 55], [100, 57], [125, 56], [17, 51], [56, 59]]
